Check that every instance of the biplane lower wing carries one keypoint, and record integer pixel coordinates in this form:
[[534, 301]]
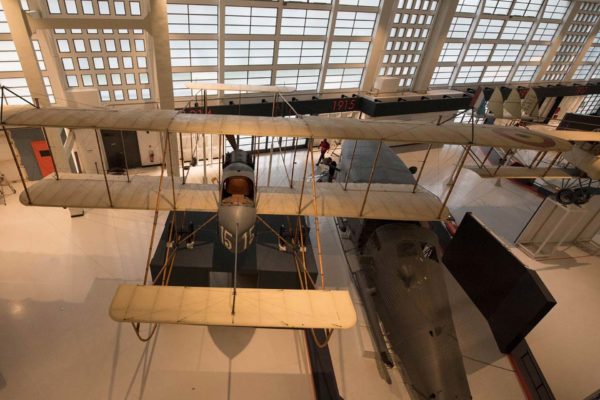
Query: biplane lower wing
[[524, 173], [384, 201], [263, 308]]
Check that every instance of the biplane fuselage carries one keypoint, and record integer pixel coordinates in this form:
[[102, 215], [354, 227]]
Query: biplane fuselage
[[237, 206]]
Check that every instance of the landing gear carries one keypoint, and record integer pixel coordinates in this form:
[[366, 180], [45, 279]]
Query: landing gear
[[565, 196], [575, 192]]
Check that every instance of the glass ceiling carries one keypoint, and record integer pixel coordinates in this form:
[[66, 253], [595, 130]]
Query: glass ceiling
[[316, 45]]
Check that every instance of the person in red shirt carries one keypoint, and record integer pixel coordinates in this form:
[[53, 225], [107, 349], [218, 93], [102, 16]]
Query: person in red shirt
[[323, 146]]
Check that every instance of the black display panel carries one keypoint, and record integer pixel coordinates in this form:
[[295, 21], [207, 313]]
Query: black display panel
[[510, 296]]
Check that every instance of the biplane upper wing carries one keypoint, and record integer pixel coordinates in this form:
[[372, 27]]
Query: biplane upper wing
[[310, 127], [384, 201]]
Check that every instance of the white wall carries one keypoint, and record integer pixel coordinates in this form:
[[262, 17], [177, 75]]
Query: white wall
[[149, 141]]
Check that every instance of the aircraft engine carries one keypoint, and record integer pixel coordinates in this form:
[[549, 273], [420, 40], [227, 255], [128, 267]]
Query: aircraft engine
[[237, 210]]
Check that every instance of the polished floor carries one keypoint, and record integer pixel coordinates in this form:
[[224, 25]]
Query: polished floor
[[58, 275]]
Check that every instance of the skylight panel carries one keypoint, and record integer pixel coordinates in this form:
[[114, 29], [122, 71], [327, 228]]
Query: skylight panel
[[592, 54], [488, 29], [250, 20], [527, 8], [516, 30], [193, 53], [247, 78], [343, 78], [53, 6], [469, 74], [525, 73], [17, 85], [103, 8], [497, 7], [441, 75], [296, 21], [506, 52], [478, 52], [184, 18], [467, 6], [496, 73], [181, 78], [450, 52], [534, 53], [350, 23], [63, 46], [244, 52], [300, 52], [38, 54], [582, 72], [368, 3], [348, 52], [301, 79], [72, 81], [556, 9], [545, 31], [87, 7], [459, 27]]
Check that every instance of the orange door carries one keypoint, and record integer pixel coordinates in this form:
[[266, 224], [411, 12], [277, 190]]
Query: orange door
[[42, 155]]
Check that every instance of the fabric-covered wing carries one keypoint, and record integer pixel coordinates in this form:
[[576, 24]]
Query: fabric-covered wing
[[310, 127], [263, 308], [384, 201], [89, 191], [524, 172]]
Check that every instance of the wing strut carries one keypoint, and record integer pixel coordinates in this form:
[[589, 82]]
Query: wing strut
[[362, 209]]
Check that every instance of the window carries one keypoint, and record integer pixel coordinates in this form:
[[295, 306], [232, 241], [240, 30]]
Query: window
[[524, 73], [582, 71], [144, 78], [72, 81], [38, 54], [248, 52], [101, 78], [146, 94], [556, 9], [132, 94], [103, 7], [134, 8], [535, 53], [301, 52], [545, 31], [83, 63], [488, 29], [87, 7], [181, 78], [185, 18], [247, 78], [110, 45], [590, 104], [478, 52], [496, 73], [53, 7], [349, 23], [459, 28], [87, 80], [119, 95], [127, 62], [497, 7], [139, 45], [516, 30], [141, 62], [348, 52], [68, 64], [9, 60], [63, 46], [592, 54], [296, 21], [302, 79], [250, 20], [467, 6], [98, 63], [192, 53], [441, 75], [343, 78], [95, 45], [130, 79], [125, 45], [104, 95], [506, 52], [527, 8], [70, 6], [450, 52], [470, 74], [113, 62], [367, 3], [119, 7], [115, 79]]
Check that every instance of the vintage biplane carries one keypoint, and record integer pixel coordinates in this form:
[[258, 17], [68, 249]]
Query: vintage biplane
[[238, 199]]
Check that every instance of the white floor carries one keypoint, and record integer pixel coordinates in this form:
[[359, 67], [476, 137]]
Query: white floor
[[58, 275]]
